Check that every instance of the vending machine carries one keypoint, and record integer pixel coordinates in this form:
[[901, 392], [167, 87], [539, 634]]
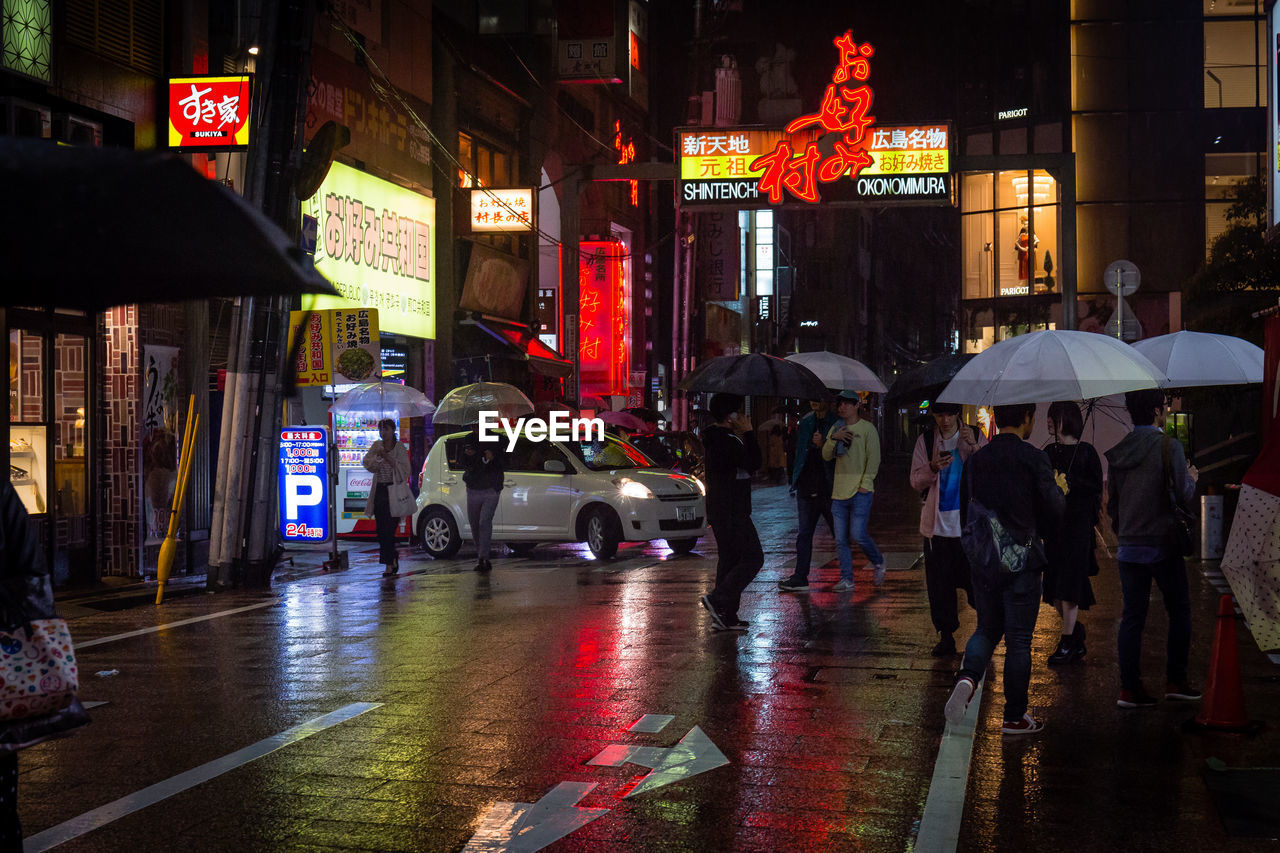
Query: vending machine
[[354, 433]]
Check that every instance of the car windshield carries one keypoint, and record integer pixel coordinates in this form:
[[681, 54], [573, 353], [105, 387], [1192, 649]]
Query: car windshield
[[608, 454]]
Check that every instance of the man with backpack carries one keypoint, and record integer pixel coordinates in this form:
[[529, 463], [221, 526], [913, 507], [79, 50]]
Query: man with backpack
[[937, 465], [811, 485], [1009, 482]]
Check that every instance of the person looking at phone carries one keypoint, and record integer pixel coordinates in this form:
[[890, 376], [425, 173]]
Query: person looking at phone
[[936, 468], [854, 444]]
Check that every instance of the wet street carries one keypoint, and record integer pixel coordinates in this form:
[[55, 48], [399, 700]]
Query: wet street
[[568, 704]]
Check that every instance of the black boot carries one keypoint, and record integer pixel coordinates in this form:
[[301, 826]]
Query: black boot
[[1077, 640], [946, 647], [1064, 653]]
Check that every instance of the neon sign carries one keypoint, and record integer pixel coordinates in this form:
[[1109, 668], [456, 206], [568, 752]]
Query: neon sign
[[626, 154], [603, 323], [845, 110], [209, 112]]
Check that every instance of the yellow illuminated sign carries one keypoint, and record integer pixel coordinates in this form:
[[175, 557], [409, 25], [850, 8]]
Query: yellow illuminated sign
[[501, 210], [376, 244]]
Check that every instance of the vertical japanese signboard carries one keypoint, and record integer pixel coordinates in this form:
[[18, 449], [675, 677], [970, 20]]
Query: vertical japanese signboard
[[304, 484], [314, 362], [603, 328], [357, 346], [209, 112], [717, 248]]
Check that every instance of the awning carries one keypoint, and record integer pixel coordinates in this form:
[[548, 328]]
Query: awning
[[521, 340]]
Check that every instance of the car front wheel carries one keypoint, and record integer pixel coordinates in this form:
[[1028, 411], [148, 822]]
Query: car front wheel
[[604, 533], [438, 533]]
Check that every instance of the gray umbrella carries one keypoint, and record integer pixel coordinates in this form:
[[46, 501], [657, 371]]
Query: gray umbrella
[[462, 406], [756, 374], [90, 228]]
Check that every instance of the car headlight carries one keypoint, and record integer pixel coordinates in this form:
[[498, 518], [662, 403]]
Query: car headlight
[[701, 486], [631, 489]]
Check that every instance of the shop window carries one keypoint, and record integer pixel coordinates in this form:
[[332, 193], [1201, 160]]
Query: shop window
[[70, 357], [482, 164], [1234, 64], [1010, 242], [28, 440], [1222, 173]]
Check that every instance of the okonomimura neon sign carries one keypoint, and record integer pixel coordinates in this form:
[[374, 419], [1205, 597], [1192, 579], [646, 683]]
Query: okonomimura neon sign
[[845, 110], [603, 326]]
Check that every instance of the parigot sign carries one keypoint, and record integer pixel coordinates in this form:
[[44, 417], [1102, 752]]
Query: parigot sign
[[304, 484]]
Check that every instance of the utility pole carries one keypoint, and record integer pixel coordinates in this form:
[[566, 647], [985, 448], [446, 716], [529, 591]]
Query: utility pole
[[244, 535]]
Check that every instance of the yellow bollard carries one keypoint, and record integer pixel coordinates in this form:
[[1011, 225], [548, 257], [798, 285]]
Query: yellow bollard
[[169, 547]]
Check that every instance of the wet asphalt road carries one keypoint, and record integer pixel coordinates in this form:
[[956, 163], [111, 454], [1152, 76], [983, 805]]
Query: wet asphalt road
[[492, 691]]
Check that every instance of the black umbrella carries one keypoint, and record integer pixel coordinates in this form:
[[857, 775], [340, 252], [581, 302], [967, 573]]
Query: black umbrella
[[926, 381], [94, 227], [756, 374]]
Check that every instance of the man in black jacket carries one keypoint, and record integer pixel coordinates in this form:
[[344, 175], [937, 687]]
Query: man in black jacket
[[732, 457], [1148, 471], [1013, 479]]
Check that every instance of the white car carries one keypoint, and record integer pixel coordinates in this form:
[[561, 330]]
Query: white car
[[604, 492]]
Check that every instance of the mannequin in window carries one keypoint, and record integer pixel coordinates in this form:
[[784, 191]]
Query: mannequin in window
[[1025, 242]]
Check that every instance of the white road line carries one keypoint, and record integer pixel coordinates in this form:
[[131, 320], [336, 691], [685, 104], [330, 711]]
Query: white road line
[[944, 809], [99, 817], [138, 633]]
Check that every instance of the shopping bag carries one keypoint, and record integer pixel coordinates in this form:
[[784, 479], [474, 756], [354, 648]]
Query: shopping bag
[[400, 498]]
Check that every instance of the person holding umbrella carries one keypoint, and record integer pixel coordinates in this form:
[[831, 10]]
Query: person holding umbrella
[[732, 457], [484, 466], [388, 461], [855, 447], [811, 485]]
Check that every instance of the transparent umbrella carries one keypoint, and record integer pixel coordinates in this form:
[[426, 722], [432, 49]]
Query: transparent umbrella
[[840, 371], [1200, 359], [1051, 365], [462, 406], [384, 399]]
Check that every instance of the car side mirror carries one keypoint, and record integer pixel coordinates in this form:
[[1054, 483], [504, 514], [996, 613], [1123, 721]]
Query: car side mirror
[[554, 466]]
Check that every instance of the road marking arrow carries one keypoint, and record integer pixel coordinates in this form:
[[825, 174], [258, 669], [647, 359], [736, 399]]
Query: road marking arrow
[[694, 754], [527, 827]]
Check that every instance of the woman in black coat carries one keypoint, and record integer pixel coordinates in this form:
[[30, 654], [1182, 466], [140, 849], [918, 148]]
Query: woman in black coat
[[1070, 546]]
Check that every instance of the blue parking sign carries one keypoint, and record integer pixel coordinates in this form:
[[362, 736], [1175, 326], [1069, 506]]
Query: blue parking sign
[[304, 484]]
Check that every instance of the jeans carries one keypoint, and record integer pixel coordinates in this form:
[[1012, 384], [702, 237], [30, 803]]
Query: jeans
[[386, 524], [946, 569], [740, 560], [854, 512], [809, 510], [1170, 575], [1007, 608], [481, 505]]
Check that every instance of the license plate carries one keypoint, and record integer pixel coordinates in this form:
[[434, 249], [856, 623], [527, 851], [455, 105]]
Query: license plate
[[684, 513]]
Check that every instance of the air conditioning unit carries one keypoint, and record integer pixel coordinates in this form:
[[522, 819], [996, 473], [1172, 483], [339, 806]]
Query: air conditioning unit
[[74, 130], [23, 118]]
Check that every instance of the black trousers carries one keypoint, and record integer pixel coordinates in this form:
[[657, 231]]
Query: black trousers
[[386, 524], [740, 560], [946, 569]]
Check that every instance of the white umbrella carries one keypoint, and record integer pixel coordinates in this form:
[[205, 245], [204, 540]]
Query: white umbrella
[[462, 406], [1192, 359], [1051, 365], [839, 371], [384, 399]]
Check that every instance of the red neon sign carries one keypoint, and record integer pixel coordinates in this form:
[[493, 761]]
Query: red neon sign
[[209, 112], [845, 110], [626, 154], [604, 344]]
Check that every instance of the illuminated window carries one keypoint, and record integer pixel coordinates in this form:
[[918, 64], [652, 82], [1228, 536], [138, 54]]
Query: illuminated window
[[1009, 232], [1235, 63], [28, 37], [490, 166], [1222, 173]]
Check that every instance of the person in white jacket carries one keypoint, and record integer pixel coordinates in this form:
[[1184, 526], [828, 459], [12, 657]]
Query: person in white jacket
[[936, 469]]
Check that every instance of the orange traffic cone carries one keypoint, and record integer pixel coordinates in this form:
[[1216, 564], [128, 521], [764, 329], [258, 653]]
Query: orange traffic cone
[[1223, 706]]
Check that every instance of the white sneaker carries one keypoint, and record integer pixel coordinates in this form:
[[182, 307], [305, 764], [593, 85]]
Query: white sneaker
[[958, 702], [877, 574], [843, 586]]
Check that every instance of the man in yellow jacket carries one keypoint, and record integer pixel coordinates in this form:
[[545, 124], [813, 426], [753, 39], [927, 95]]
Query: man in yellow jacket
[[855, 447]]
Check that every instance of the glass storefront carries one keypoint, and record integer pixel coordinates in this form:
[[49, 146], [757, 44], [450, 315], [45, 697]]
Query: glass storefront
[[49, 435], [1010, 233]]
